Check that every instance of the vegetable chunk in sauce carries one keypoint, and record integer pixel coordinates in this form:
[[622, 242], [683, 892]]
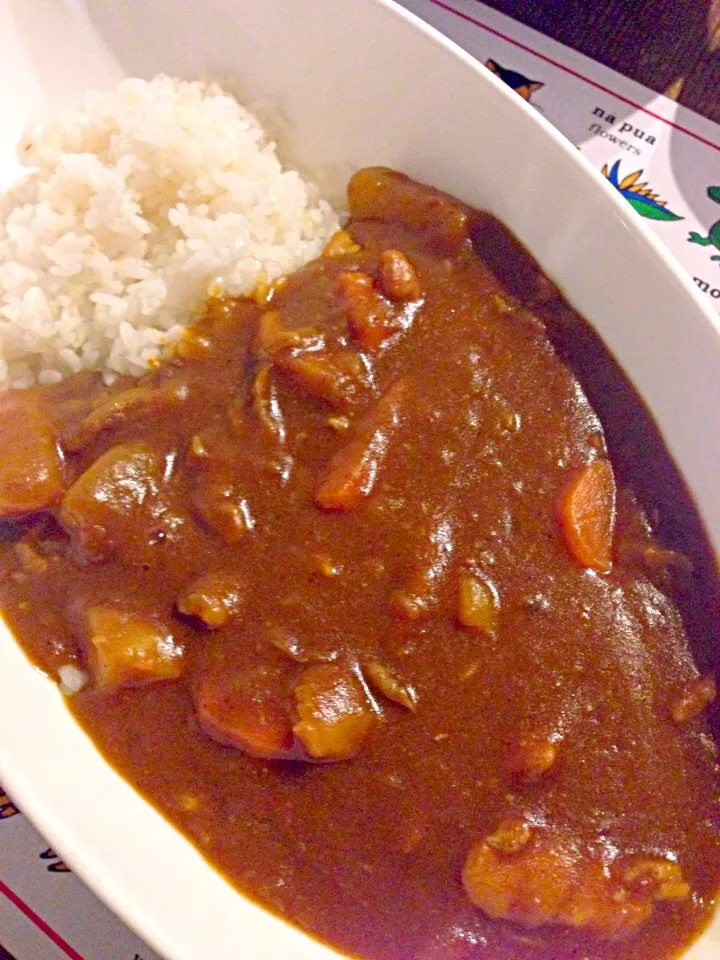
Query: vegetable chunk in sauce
[[391, 599]]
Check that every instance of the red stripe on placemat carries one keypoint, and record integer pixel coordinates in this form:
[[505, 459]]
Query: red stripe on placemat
[[40, 923], [573, 73]]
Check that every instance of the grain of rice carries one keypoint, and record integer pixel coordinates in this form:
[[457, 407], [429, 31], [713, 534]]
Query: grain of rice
[[72, 679]]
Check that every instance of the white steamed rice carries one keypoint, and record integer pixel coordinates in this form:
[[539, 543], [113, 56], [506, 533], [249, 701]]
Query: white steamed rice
[[137, 204]]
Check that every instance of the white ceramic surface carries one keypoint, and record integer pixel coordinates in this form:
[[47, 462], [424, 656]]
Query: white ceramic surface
[[357, 82]]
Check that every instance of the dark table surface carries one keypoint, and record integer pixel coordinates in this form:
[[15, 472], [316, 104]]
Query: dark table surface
[[671, 46]]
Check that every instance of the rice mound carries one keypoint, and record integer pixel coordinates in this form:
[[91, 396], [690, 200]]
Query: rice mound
[[140, 202]]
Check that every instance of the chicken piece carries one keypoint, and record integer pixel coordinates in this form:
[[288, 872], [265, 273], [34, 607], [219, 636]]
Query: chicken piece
[[115, 502], [114, 409], [128, 650], [336, 376], [30, 465], [335, 714], [353, 470], [273, 338], [368, 315], [223, 508], [546, 879], [532, 756], [247, 710], [398, 278], [213, 599]]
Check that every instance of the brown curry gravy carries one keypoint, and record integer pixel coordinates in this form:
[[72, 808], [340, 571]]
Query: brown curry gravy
[[559, 717]]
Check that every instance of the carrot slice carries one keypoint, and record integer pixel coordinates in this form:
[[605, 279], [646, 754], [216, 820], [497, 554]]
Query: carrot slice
[[353, 470], [245, 711], [367, 313], [587, 514]]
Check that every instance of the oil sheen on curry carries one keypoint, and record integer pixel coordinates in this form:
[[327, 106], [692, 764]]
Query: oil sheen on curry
[[391, 599]]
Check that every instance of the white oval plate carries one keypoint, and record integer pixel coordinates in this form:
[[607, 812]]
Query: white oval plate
[[357, 82]]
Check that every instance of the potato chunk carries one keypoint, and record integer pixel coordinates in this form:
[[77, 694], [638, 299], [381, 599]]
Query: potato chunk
[[335, 715], [129, 650], [546, 879], [111, 503], [30, 469], [477, 603]]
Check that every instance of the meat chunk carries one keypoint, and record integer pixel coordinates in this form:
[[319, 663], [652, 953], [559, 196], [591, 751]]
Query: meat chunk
[[532, 756], [110, 412], [115, 501], [693, 700], [545, 879], [126, 649], [398, 278], [213, 599], [353, 471], [335, 375], [335, 715], [223, 507], [247, 710], [30, 466], [379, 193]]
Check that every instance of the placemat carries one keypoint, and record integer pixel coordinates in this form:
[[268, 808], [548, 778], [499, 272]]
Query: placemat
[[663, 158]]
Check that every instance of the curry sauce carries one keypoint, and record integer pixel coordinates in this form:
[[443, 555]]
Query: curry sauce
[[391, 599]]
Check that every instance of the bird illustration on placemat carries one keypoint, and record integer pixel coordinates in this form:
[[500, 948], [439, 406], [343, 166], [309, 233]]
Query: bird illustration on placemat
[[519, 83], [55, 864], [7, 807]]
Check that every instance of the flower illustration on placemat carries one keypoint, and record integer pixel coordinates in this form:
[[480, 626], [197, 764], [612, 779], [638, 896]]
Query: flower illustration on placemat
[[55, 865], [639, 194], [713, 236], [7, 807]]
